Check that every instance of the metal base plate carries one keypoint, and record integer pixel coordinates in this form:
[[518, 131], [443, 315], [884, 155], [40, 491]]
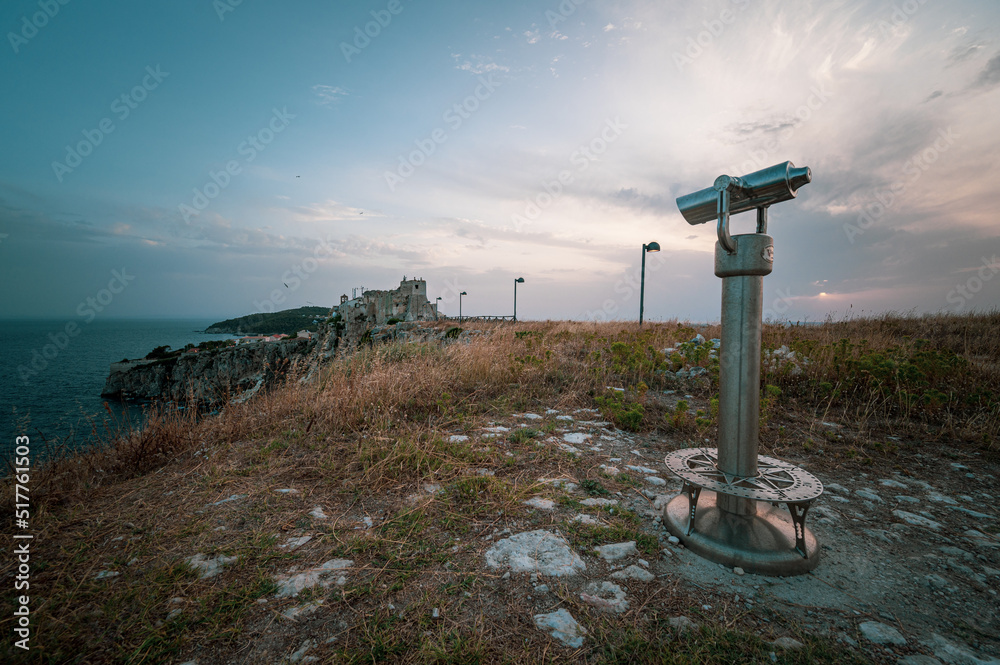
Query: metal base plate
[[776, 481], [763, 543]]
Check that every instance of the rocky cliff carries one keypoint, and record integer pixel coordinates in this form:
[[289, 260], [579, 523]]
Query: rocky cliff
[[210, 376], [239, 372]]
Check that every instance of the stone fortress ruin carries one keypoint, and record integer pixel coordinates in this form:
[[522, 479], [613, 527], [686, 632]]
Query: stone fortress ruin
[[408, 302]]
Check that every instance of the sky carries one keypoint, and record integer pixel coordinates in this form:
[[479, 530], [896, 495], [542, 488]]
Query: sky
[[210, 159]]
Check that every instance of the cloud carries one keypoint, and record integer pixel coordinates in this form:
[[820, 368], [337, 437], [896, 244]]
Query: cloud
[[329, 95], [478, 64], [630, 197], [990, 76], [963, 52]]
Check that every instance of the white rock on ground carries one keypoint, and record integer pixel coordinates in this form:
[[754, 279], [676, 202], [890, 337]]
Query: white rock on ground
[[606, 596], [565, 447], [536, 552], [599, 502], [616, 551], [916, 520], [318, 513], [787, 643], [298, 656], [641, 469], [209, 567], [564, 483], [302, 610], [295, 543], [585, 519], [234, 497], [576, 437], [682, 624], [457, 438], [868, 495], [562, 626], [634, 573], [918, 659], [540, 503], [953, 654], [880, 633], [292, 585], [656, 481]]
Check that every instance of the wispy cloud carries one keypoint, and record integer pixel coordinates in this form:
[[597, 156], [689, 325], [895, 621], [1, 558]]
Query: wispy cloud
[[990, 75], [328, 95]]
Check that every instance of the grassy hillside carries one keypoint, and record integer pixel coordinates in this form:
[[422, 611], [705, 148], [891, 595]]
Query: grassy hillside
[[287, 321], [372, 431]]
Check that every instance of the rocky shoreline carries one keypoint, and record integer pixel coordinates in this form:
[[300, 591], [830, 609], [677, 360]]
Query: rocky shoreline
[[208, 377]]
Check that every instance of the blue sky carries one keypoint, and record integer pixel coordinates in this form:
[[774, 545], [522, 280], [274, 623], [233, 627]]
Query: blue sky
[[259, 156]]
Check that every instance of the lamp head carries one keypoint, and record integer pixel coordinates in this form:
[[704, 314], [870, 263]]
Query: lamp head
[[463, 293], [519, 280], [652, 247]]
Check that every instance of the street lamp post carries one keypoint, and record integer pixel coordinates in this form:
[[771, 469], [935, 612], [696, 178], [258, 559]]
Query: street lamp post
[[651, 247], [463, 293], [519, 280]]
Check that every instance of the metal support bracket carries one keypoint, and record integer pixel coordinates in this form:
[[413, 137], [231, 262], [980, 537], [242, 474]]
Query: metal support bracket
[[693, 492], [726, 186], [798, 510]]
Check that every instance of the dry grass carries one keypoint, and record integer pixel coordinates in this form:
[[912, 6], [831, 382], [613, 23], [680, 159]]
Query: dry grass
[[366, 433]]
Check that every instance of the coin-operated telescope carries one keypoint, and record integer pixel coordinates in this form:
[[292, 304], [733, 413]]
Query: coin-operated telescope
[[737, 522], [730, 196]]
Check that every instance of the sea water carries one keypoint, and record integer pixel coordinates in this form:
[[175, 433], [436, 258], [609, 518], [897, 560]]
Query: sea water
[[51, 382]]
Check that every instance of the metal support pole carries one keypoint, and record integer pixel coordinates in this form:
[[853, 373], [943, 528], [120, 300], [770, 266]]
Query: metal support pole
[[515, 301], [642, 284]]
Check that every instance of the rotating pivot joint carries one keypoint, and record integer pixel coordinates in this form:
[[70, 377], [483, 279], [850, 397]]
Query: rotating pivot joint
[[728, 187]]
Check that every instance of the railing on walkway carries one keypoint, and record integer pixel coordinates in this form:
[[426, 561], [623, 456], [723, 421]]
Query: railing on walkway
[[478, 318]]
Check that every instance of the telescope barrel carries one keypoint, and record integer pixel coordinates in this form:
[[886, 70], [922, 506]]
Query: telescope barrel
[[761, 188]]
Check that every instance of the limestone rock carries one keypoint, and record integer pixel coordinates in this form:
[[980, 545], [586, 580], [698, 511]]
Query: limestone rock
[[953, 654], [682, 624], [606, 596], [536, 552], [616, 551], [209, 567], [634, 573], [787, 643], [540, 504], [562, 626], [293, 584], [916, 520], [880, 633]]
